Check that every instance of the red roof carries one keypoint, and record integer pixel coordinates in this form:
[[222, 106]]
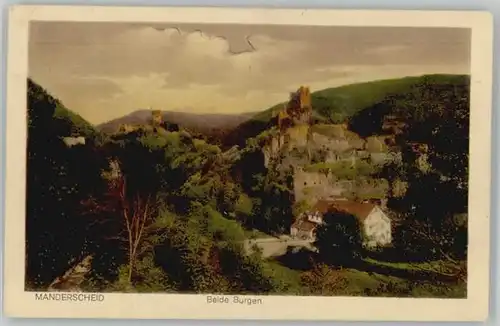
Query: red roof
[[323, 206], [360, 210]]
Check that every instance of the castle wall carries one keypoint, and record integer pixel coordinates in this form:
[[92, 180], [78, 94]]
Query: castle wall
[[311, 186], [297, 136], [330, 144], [293, 137]]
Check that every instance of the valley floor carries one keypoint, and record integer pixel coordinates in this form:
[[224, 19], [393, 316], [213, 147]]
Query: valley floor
[[289, 258], [289, 261], [354, 282]]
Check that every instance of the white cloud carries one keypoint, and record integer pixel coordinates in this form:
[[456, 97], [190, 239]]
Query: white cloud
[[200, 74], [139, 67], [149, 91], [365, 73]]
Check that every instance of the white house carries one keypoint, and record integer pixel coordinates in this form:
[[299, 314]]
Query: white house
[[376, 226], [73, 141], [374, 223], [306, 224]]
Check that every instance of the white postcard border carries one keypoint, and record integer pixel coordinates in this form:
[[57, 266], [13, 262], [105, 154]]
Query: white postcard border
[[19, 303]]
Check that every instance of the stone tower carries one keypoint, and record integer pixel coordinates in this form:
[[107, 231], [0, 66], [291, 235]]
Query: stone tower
[[305, 98], [302, 106], [157, 118]]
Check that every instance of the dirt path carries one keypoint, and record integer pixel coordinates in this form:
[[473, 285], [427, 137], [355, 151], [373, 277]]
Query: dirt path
[[272, 247], [73, 278]]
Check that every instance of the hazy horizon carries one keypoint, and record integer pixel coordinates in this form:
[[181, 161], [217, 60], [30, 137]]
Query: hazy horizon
[[223, 69]]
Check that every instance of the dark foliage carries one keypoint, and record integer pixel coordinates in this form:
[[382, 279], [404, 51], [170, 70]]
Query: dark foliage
[[339, 240], [435, 131], [58, 180]]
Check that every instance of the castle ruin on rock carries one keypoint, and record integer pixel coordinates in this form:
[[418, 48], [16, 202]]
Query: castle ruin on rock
[[157, 118], [298, 144], [155, 122], [293, 123], [298, 110]]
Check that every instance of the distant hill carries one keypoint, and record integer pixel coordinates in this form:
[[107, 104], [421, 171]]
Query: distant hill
[[208, 124], [340, 104]]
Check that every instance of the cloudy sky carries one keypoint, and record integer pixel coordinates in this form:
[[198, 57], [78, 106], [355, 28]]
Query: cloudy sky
[[106, 70]]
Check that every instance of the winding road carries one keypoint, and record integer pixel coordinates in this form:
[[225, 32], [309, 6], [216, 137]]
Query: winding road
[[273, 247]]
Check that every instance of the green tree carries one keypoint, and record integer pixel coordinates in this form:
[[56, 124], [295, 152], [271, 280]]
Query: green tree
[[339, 239], [324, 280], [435, 152]]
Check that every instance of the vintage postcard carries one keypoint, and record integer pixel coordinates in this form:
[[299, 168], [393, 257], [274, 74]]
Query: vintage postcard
[[222, 163]]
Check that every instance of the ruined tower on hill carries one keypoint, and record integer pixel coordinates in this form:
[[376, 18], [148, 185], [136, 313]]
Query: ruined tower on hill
[[298, 110], [156, 118], [299, 106]]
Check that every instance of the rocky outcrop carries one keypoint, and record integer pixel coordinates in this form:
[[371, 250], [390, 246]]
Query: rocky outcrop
[[71, 280]]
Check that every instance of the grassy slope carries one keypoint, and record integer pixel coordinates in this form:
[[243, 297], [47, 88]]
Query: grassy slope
[[334, 105], [80, 126], [363, 283], [339, 104]]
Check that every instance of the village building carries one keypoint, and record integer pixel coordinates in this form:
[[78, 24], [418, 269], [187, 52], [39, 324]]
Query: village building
[[74, 141], [306, 224], [303, 229], [375, 225]]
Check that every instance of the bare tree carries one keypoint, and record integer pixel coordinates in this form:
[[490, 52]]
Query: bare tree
[[124, 213], [137, 212]]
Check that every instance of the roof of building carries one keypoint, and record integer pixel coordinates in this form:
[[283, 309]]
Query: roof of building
[[360, 210], [304, 225], [323, 205]]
